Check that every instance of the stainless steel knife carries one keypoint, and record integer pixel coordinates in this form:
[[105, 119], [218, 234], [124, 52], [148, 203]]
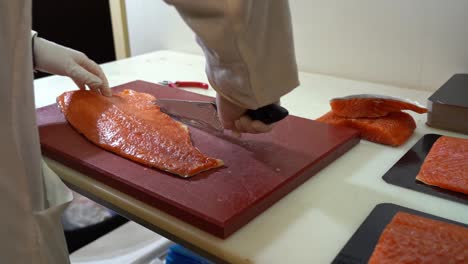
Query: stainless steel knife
[[204, 114]]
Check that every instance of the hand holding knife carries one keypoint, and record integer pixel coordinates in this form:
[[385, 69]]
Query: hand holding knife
[[204, 114], [207, 115]]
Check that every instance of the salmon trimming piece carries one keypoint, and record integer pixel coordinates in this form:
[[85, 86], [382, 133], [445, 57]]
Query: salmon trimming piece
[[446, 165], [393, 129], [129, 124], [409, 238], [372, 105]]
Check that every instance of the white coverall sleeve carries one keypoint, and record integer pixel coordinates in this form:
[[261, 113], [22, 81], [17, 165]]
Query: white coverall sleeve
[[248, 45], [32, 198]]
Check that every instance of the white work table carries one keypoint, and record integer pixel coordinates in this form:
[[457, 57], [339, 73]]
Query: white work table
[[309, 225]]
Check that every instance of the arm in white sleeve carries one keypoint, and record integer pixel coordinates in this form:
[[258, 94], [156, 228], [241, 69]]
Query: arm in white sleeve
[[248, 45]]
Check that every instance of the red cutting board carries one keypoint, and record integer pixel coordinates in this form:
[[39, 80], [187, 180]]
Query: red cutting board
[[259, 169]]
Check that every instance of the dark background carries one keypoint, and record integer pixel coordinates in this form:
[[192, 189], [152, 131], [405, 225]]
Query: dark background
[[83, 25]]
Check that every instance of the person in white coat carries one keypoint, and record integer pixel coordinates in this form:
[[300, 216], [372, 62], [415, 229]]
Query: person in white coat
[[249, 52], [32, 197], [250, 63]]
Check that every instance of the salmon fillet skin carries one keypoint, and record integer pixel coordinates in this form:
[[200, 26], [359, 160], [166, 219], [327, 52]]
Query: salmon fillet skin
[[393, 129], [130, 125], [446, 165], [369, 105], [414, 239]]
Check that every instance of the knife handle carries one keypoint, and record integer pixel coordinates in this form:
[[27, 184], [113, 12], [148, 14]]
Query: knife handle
[[268, 114]]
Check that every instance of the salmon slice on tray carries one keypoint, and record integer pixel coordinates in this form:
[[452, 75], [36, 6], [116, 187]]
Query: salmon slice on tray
[[446, 165], [393, 129], [370, 105], [414, 239], [129, 124]]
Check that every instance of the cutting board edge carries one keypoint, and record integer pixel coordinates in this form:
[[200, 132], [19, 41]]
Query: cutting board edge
[[204, 223], [238, 221], [219, 229]]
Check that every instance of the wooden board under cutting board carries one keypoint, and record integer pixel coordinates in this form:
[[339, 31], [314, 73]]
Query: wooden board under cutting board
[[259, 169]]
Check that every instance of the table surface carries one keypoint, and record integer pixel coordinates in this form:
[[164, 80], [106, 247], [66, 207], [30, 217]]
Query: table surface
[[312, 223]]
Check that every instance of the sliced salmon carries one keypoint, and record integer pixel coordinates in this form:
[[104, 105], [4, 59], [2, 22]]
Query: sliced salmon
[[369, 105], [446, 165], [415, 239], [393, 129], [130, 125]]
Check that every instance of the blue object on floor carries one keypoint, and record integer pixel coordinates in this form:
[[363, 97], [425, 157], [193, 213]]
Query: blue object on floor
[[180, 255]]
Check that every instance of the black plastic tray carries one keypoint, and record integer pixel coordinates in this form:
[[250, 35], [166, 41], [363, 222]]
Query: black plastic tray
[[404, 172], [359, 248]]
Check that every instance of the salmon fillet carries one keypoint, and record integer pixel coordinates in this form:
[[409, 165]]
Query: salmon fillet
[[368, 105], [394, 129], [414, 239], [446, 165], [130, 125]]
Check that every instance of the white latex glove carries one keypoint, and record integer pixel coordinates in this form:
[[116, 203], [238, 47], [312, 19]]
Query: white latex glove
[[233, 118], [56, 59]]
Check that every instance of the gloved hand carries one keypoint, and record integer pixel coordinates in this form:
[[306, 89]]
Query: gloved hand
[[233, 118], [56, 59]]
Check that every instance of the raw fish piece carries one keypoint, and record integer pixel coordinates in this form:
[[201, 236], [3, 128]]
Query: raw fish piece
[[415, 239], [369, 105], [394, 129], [130, 125], [446, 165]]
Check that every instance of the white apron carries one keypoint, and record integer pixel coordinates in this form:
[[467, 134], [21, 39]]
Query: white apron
[[32, 197]]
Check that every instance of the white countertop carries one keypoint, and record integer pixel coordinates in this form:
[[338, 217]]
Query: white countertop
[[312, 223]]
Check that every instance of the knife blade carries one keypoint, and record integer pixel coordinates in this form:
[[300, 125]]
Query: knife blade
[[204, 114], [200, 114]]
